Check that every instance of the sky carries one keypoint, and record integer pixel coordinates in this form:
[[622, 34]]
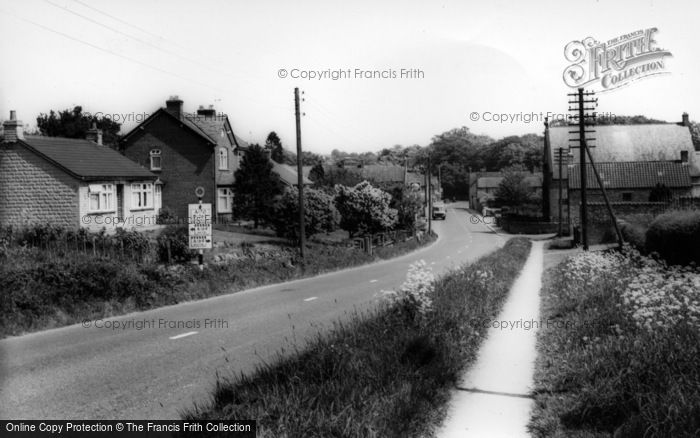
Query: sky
[[471, 61]]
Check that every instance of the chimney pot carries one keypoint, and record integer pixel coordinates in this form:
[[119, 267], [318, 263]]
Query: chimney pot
[[206, 112]]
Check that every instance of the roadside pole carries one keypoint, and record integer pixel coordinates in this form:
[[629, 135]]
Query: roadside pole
[[300, 176], [199, 226]]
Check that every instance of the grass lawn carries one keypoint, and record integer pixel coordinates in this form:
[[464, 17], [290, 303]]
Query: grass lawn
[[384, 373]]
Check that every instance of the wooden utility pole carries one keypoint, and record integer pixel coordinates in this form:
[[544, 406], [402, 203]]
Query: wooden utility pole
[[581, 118], [300, 179], [561, 158], [430, 199]]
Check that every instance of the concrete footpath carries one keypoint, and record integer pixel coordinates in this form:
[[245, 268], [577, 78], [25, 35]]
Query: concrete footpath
[[493, 398]]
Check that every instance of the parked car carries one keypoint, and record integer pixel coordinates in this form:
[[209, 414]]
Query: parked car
[[488, 211], [439, 211]]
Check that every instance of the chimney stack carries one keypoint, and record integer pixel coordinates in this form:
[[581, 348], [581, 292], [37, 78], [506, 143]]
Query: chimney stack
[[685, 121], [12, 129], [174, 106], [206, 112], [93, 134]]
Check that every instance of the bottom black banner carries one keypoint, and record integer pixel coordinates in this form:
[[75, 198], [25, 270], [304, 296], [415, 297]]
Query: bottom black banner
[[128, 428]]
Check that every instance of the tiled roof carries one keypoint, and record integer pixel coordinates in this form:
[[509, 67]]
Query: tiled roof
[[288, 175], [617, 143], [211, 127], [85, 159], [635, 174]]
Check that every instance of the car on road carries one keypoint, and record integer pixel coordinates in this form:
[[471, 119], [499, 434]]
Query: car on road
[[439, 211], [488, 211]]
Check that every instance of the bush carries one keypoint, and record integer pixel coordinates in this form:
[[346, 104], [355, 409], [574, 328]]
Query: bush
[[319, 213], [675, 236], [364, 209], [166, 216], [178, 239], [634, 234]]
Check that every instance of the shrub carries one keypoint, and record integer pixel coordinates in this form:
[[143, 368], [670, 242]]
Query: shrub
[[166, 216], [319, 213], [178, 239], [364, 209], [633, 234], [131, 240], [675, 236]]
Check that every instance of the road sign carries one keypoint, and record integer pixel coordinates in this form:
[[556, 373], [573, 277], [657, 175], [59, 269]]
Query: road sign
[[199, 191], [199, 226]]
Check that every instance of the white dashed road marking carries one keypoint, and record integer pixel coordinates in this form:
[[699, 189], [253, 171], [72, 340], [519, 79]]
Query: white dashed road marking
[[373, 281], [182, 335], [310, 298]]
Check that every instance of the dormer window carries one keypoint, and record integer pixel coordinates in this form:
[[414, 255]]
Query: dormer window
[[155, 159], [223, 159]]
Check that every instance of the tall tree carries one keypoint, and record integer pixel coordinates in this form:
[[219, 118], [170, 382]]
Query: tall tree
[[274, 144], [256, 186], [75, 124]]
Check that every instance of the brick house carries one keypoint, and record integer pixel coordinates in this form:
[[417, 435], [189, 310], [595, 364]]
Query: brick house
[[190, 150], [632, 159], [72, 183]]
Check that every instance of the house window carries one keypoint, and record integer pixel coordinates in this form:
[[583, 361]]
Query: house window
[[142, 195], [101, 197], [627, 196], [223, 159], [155, 159], [225, 200]]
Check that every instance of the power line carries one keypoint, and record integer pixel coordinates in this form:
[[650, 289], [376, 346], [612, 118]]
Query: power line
[[102, 49], [170, 52]]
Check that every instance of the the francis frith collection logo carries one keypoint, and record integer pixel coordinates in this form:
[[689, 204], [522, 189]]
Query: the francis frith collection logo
[[614, 63]]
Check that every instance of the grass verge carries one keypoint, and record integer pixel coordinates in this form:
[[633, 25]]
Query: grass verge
[[383, 373], [618, 349], [43, 290]]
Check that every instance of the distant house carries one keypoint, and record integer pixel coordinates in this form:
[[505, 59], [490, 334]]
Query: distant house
[[190, 150], [72, 183], [485, 187], [632, 160]]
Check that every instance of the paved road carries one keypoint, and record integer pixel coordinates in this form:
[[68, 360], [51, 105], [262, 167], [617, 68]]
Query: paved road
[[158, 371]]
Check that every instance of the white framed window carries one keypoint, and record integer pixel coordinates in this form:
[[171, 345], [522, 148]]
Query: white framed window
[[155, 156], [223, 159], [224, 202], [101, 198], [142, 195]]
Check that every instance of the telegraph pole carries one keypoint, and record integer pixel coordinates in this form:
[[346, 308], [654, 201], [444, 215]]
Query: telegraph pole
[[300, 171], [430, 199], [561, 158], [581, 118]]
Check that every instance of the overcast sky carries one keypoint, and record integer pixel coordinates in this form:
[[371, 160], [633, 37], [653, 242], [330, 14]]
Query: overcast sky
[[127, 57]]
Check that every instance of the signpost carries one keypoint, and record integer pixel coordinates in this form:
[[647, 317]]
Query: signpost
[[199, 226]]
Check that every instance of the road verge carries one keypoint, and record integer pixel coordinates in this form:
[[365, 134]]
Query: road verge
[[385, 372]]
